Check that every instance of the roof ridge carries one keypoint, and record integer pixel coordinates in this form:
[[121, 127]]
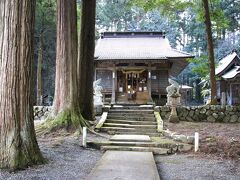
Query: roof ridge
[[181, 51], [132, 34], [230, 53]]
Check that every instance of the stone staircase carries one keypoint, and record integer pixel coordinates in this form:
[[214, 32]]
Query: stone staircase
[[131, 120], [142, 143], [135, 129]]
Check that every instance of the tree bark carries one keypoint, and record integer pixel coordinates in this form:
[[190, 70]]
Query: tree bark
[[39, 71], [66, 106], [207, 22], [66, 54], [18, 144], [86, 58]]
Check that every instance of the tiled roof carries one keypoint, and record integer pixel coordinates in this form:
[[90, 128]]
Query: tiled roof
[[232, 73], [136, 47], [225, 62]]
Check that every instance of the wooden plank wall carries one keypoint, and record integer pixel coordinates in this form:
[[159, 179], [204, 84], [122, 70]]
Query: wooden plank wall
[[161, 82]]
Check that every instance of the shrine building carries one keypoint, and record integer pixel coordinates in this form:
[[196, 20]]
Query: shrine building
[[134, 67]]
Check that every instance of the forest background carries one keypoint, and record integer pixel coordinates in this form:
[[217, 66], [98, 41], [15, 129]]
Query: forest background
[[183, 26]]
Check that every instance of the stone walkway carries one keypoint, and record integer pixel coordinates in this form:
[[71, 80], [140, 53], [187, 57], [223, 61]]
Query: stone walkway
[[129, 153], [125, 165]]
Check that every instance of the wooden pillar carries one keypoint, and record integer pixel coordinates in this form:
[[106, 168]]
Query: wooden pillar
[[137, 81], [116, 83], [95, 74], [149, 82], [113, 101], [126, 83]]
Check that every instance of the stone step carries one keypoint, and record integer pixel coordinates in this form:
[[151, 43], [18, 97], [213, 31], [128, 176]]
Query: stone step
[[138, 118], [98, 145], [131, 138], [130, 125], [151, 134], [130, 122], [127, 129], [135, 112], [130, 131], [142, 107], [132, 116], [158, 151], [130, 111]]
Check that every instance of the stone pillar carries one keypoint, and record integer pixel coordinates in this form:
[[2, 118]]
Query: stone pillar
[[173, 118], [113, 101], [223, 99]]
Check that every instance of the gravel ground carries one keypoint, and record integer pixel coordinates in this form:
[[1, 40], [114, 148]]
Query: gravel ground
[[67, 160], [191, 167]]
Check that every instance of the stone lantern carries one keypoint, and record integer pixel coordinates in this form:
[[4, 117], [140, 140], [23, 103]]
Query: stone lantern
[[173, 100], [97, 97]]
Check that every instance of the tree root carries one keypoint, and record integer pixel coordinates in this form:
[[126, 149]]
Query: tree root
[[68, 119], [96, 133]]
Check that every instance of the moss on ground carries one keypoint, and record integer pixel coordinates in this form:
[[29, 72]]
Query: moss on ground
[[162, 140], [68, 119]]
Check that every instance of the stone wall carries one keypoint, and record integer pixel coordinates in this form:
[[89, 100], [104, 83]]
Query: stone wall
[[207, 113], [41, 112]]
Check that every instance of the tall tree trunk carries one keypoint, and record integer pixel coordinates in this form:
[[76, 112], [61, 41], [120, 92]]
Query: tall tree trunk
[[18, 144], [224, 34], [86, 57], [233, 38], [39, 70], [66, 106], [198, 90], [211, 62]]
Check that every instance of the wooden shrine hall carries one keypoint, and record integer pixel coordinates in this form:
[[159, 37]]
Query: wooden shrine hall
[[228, 73], [134, 67]]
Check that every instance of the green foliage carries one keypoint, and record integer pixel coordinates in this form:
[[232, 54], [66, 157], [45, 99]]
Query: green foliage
[[116, 15], [45, 25], [200, 65], [166, 7], [218, 19], [182, 21], [231, 12], [45, 15], [119, 16], [78, 15]]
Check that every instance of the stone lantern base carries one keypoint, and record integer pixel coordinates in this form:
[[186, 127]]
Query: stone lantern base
[[173, 118]]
